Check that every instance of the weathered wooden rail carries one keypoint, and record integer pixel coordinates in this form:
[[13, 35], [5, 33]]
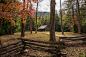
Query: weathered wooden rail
[[72, 37], [51, 47], [73, 40], [11, 49]]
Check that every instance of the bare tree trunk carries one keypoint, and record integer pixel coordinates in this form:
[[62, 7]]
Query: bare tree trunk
[[22, 30], [22, 25], [30, 25], [36, 17], [11, 30], [0, 23], [31, 22], [61, 18], [72, 12], [52, 21], [78, 11]]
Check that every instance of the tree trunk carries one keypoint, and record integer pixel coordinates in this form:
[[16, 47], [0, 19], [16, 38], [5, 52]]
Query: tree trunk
[[11, 30], [78, 11], [36, 17], [0, 43], [0, 23], [22, 30], [30, 25], [52, 21], [61, 18], [72, 13], [31, 22], [22, 24]]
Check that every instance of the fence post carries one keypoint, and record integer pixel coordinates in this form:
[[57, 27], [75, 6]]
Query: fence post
[[61, 45], [23, 48], [23, 44], [58, 50]]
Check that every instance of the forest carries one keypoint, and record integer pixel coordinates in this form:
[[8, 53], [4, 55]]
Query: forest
[[69, 20], [20, 20]]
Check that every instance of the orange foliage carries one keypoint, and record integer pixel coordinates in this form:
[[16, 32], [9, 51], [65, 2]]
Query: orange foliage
[[11, 10], [35, 1], [74, 21]]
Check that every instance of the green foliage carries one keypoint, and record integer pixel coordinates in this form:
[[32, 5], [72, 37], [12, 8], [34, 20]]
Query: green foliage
[[66, 23], [57, 23], [27, 24], [2, 31], [84, 28], [41, 20], [75, 28], [72, 10], [83, 16], [6, 26], [17, 24]]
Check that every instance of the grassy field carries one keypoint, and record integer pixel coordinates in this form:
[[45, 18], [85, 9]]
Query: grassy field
[[43, 36], [65, 33], [68, 33]]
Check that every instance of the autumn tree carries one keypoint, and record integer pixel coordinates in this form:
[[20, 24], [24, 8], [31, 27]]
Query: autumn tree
[[9, 10], [6, 13], [30, 12], [22, 24]]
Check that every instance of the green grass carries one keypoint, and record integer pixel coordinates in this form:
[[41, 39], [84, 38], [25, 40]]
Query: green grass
[[68, 33], [65, 33], [41, 36]]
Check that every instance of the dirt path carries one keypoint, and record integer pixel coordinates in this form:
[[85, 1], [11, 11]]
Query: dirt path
[[62, 35]]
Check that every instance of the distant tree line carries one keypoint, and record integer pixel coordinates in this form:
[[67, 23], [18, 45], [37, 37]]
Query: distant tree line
[[74, 16], [43, 20]]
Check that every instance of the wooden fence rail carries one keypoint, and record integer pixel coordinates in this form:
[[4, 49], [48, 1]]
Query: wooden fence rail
[[10, 49], [73, 38], [51, 47]]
